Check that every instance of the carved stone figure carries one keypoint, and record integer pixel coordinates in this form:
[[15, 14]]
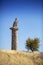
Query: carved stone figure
[[15, 23]]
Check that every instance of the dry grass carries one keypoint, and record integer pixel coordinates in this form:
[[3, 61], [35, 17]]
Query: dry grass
[[11, 57]]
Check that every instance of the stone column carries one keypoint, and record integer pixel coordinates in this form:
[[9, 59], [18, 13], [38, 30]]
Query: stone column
[[14, 35]]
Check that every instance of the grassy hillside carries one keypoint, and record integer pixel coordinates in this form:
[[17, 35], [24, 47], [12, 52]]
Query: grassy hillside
[[11, 57]]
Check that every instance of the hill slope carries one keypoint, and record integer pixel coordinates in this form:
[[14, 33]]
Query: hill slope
[[11, 57]]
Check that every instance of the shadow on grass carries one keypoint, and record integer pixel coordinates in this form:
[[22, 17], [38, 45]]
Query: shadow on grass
[[41, 57]]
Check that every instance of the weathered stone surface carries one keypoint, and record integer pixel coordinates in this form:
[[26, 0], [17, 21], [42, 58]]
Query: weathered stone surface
[[11, 57], [14, 34]]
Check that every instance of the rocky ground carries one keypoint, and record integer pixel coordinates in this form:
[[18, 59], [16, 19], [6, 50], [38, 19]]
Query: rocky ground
[[12, 57]]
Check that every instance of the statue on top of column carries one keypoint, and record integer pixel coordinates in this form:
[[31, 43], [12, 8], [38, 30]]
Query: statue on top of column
[[15, 22]]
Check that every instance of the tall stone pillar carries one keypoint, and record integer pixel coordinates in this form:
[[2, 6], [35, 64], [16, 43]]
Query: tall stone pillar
[[14, 35]]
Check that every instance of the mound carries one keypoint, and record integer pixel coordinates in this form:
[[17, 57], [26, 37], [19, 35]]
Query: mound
[[12, 57]]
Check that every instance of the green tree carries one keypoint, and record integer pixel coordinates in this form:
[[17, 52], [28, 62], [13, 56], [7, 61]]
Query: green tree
[[32, 44]]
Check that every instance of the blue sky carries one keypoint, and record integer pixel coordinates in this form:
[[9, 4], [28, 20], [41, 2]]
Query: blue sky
[[29, 14]]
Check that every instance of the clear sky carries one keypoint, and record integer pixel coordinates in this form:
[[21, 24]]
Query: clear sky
[[29, 14]]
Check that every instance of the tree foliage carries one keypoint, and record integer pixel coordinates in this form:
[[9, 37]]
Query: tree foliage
[[32, 44]]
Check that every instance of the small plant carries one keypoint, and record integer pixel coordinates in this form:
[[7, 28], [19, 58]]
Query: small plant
[[32, 44]]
